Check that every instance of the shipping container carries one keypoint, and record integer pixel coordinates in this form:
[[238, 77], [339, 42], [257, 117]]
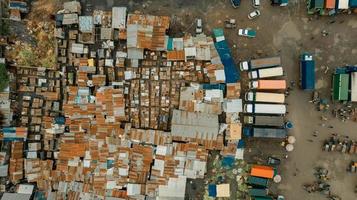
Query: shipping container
[[255, 192], [353, 4], [265, 97]]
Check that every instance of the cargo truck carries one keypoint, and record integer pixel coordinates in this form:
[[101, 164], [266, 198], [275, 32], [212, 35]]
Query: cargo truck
[[260, 63], [264, 132], [257, 181], [266, 73], [268, 85], [255, 192], [277, 109], [307, 72], [265, 97], [264, 120]]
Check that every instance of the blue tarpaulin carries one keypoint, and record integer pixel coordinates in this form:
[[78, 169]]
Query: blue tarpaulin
[[212, 190], [230, 68], [228, 161], [60, 120], [170, 44], [207, 86], [241, 144]]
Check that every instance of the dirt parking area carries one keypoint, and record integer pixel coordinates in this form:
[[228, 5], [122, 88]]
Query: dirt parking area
[[289, 32]]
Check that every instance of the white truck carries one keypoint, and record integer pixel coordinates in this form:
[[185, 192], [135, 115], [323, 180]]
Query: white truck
[[260, 63], [354, 86], [266, 73], [265, 97], [273, 109]]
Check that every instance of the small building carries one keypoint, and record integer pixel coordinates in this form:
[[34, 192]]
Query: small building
[[340, 87], [72, 7]]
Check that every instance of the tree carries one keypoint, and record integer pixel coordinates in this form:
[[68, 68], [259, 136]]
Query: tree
[[4, 77]]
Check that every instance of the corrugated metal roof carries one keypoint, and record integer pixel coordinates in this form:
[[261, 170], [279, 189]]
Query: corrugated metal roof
[[194, 125], [135, 53], [86, 24], [70, 19], [119, 17], [8, 196]]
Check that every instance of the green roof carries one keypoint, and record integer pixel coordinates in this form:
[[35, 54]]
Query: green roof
[[340, 86]]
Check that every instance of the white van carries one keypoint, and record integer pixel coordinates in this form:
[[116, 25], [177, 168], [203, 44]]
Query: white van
[[256, 3]]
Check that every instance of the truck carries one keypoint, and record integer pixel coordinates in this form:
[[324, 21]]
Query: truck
[[307, 72], [255, 192], [265, 132], [268, 85], [260, 63], [266, 73], [273, 109], [264, 120], [265, 97], [257, 181]]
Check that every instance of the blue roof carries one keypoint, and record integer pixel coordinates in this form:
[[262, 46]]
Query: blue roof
[[228, 161], [230, 68]]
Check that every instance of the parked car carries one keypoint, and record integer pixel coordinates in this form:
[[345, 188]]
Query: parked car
[[199, 26], [231, 23], [254, 14], [247, 33], [235, 3], [256, 3]]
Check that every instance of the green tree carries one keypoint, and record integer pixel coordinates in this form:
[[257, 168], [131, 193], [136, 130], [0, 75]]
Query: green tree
[[4, 78]]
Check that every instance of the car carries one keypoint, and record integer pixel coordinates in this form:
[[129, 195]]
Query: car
[[199, 26], [235, 3], [247, 33], [256, 3], [254, 14]]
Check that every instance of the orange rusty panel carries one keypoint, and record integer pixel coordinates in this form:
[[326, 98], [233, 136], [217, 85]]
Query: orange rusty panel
[[176, 55], [330, 4]]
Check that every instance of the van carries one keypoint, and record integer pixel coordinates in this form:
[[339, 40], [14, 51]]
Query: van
[[256, 3]]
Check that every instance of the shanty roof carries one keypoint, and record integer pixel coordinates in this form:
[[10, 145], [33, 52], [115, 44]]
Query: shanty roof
[[72, 7], [147, 31], [175, 189], [70, 19], [86, 24], [119, 17], [194, 125], [17, 196]]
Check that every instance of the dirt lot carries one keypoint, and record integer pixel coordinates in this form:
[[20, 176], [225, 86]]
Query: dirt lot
[[288, 32]]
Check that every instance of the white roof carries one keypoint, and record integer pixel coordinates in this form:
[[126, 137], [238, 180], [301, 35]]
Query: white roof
[[175, 189], [119, 17], [77, 48], [220, 75], [223, 190], [215, 95], [232, 106], [190, 52], [133, 189]]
